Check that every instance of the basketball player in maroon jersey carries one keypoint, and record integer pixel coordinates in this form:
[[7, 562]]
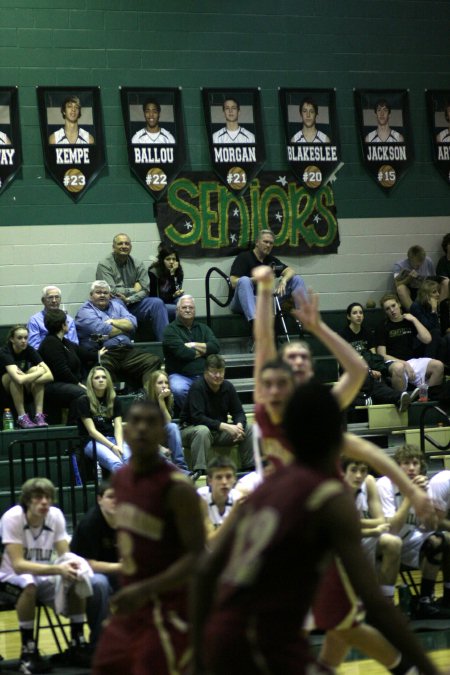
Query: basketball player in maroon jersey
[[160, 536]]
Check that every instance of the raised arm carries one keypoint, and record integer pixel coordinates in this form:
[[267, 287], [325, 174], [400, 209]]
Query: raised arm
[[263, 327]]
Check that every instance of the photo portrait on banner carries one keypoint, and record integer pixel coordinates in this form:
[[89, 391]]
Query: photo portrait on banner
[[438, 106], [311, 134], [384, 128], [154, 131], [235, 134], [72, 136], [10, 141]]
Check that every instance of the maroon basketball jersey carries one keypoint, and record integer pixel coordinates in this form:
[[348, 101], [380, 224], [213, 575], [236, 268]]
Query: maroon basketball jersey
[[276, 446]]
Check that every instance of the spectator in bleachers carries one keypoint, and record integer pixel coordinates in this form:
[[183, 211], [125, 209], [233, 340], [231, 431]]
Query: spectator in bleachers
[[204, 419], [186, 344], [63, 357], [374, 388], [426, 308], [422, 547], [158, 391], [409, 274], [95, 539], [443, 266], [105, 322], [244, 300], [23, 373], [219, 494], [100, 421], [166, 278], [32, 531], [51, 299], [400, 341], [128, 280]]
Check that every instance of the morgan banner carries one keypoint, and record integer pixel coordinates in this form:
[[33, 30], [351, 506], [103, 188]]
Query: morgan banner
[[201, 217], [10, 143]]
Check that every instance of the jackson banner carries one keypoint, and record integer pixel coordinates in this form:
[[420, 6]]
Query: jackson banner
[[385, 134], [438, 106], [311, 134], [153, 121], [10, 143], [235, 135], [201, 217], [72, 136]]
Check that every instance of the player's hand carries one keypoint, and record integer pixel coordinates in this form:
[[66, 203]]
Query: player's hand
[[421, 482], [128, 599], [423, 507], [263, 274], [382, 528], [308, 314], [69, 570]]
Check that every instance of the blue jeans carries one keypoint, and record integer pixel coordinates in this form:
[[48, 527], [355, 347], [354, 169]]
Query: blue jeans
[[175, 446], [244, 299], [152, 310], [105, 456], [97, 605], [179, 386]]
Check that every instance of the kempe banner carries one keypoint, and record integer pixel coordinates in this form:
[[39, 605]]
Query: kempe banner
[[153, 121], [235, 135], [201, 217], [438, 106], [10, 142], [311, 134], [72, 136], [384, 128]]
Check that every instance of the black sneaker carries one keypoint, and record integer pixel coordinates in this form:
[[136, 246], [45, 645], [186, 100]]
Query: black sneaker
[[404, 402], [32, 662], [427, 609], [77, 655]]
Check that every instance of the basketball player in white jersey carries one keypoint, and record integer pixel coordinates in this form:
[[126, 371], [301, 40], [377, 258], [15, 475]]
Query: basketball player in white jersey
[[383, 133], [71, 133], [309, 133], [152, 132], [232, 132]]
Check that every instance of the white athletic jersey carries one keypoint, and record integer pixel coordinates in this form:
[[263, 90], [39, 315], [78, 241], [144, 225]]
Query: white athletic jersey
[[443, 136], [391, 498], [61, 138], [4, 139], [248, 483], [146, 137], [238, 136], [213, 512], [439, 490], [38, 543], [362, 502], [320, 137], [394, 137]]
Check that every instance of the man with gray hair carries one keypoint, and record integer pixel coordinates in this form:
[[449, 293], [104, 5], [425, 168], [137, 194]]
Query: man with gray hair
[[51, 299], [105, 322]]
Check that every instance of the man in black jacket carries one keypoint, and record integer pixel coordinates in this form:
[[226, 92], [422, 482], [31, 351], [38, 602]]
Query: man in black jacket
[[204, 418]]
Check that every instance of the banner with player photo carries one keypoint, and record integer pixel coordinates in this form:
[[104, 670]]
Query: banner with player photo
[[10, 141], [199, 216], [235, 135], [438, 106], [385, 134], [72, 136], [311, 134], [153, 121]]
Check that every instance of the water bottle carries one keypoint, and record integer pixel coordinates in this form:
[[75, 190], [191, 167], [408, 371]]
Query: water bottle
[[8, 420]]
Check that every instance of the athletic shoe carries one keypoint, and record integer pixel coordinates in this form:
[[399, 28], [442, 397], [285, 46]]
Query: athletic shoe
[[39, 420], [32, 662], [24, 422], [414, 395], [77, 656], [427, 609], [404, 402]]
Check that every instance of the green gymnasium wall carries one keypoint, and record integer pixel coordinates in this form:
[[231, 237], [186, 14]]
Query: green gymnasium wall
[[194, 43]]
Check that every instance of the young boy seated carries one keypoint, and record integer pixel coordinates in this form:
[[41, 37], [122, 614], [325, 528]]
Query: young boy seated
[[219, 495], [377, 542], [422, 548]]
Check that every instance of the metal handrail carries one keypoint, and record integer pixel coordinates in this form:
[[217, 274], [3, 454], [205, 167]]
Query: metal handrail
[[424, 437], [210, 296]]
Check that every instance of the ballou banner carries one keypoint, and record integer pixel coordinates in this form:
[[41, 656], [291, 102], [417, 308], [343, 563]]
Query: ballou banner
[[200, 216]]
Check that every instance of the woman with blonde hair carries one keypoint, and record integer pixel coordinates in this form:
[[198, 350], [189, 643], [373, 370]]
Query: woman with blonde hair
[[158, 390], [427, 308], [100, 421]]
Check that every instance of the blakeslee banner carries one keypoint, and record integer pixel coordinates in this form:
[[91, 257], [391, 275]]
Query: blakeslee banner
[[200, 216]]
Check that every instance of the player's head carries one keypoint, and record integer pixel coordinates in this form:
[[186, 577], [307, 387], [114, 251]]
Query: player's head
[[152, 112], [297, 355], [416, 256], [308, 111], [410, 460], [51, 297], [446, 243], [36, 488], [313, 425], [221, 478], [382, 110], [355, 313], [145, 430], [231, 108], [276, 385], [71, 108], [390, 304], [355, 472]]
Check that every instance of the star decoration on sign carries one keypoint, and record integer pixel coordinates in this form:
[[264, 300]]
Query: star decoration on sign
[[278, 216], [188, 225], [282, 180], [317, 218], [236, 212], [233, 238]]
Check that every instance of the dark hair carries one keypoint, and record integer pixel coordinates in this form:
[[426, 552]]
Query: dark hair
[[70, 99], [350, 307], [382, 102], [277, 364], [408, 451], [445, 242], [54, 320], [13, 329], [150, 101], [161, 271], [230, 98], [311, 101], [221, 462], [102, 487], [36, 487], [346, 461], [313, 424], [416, 251], [215, 361]]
